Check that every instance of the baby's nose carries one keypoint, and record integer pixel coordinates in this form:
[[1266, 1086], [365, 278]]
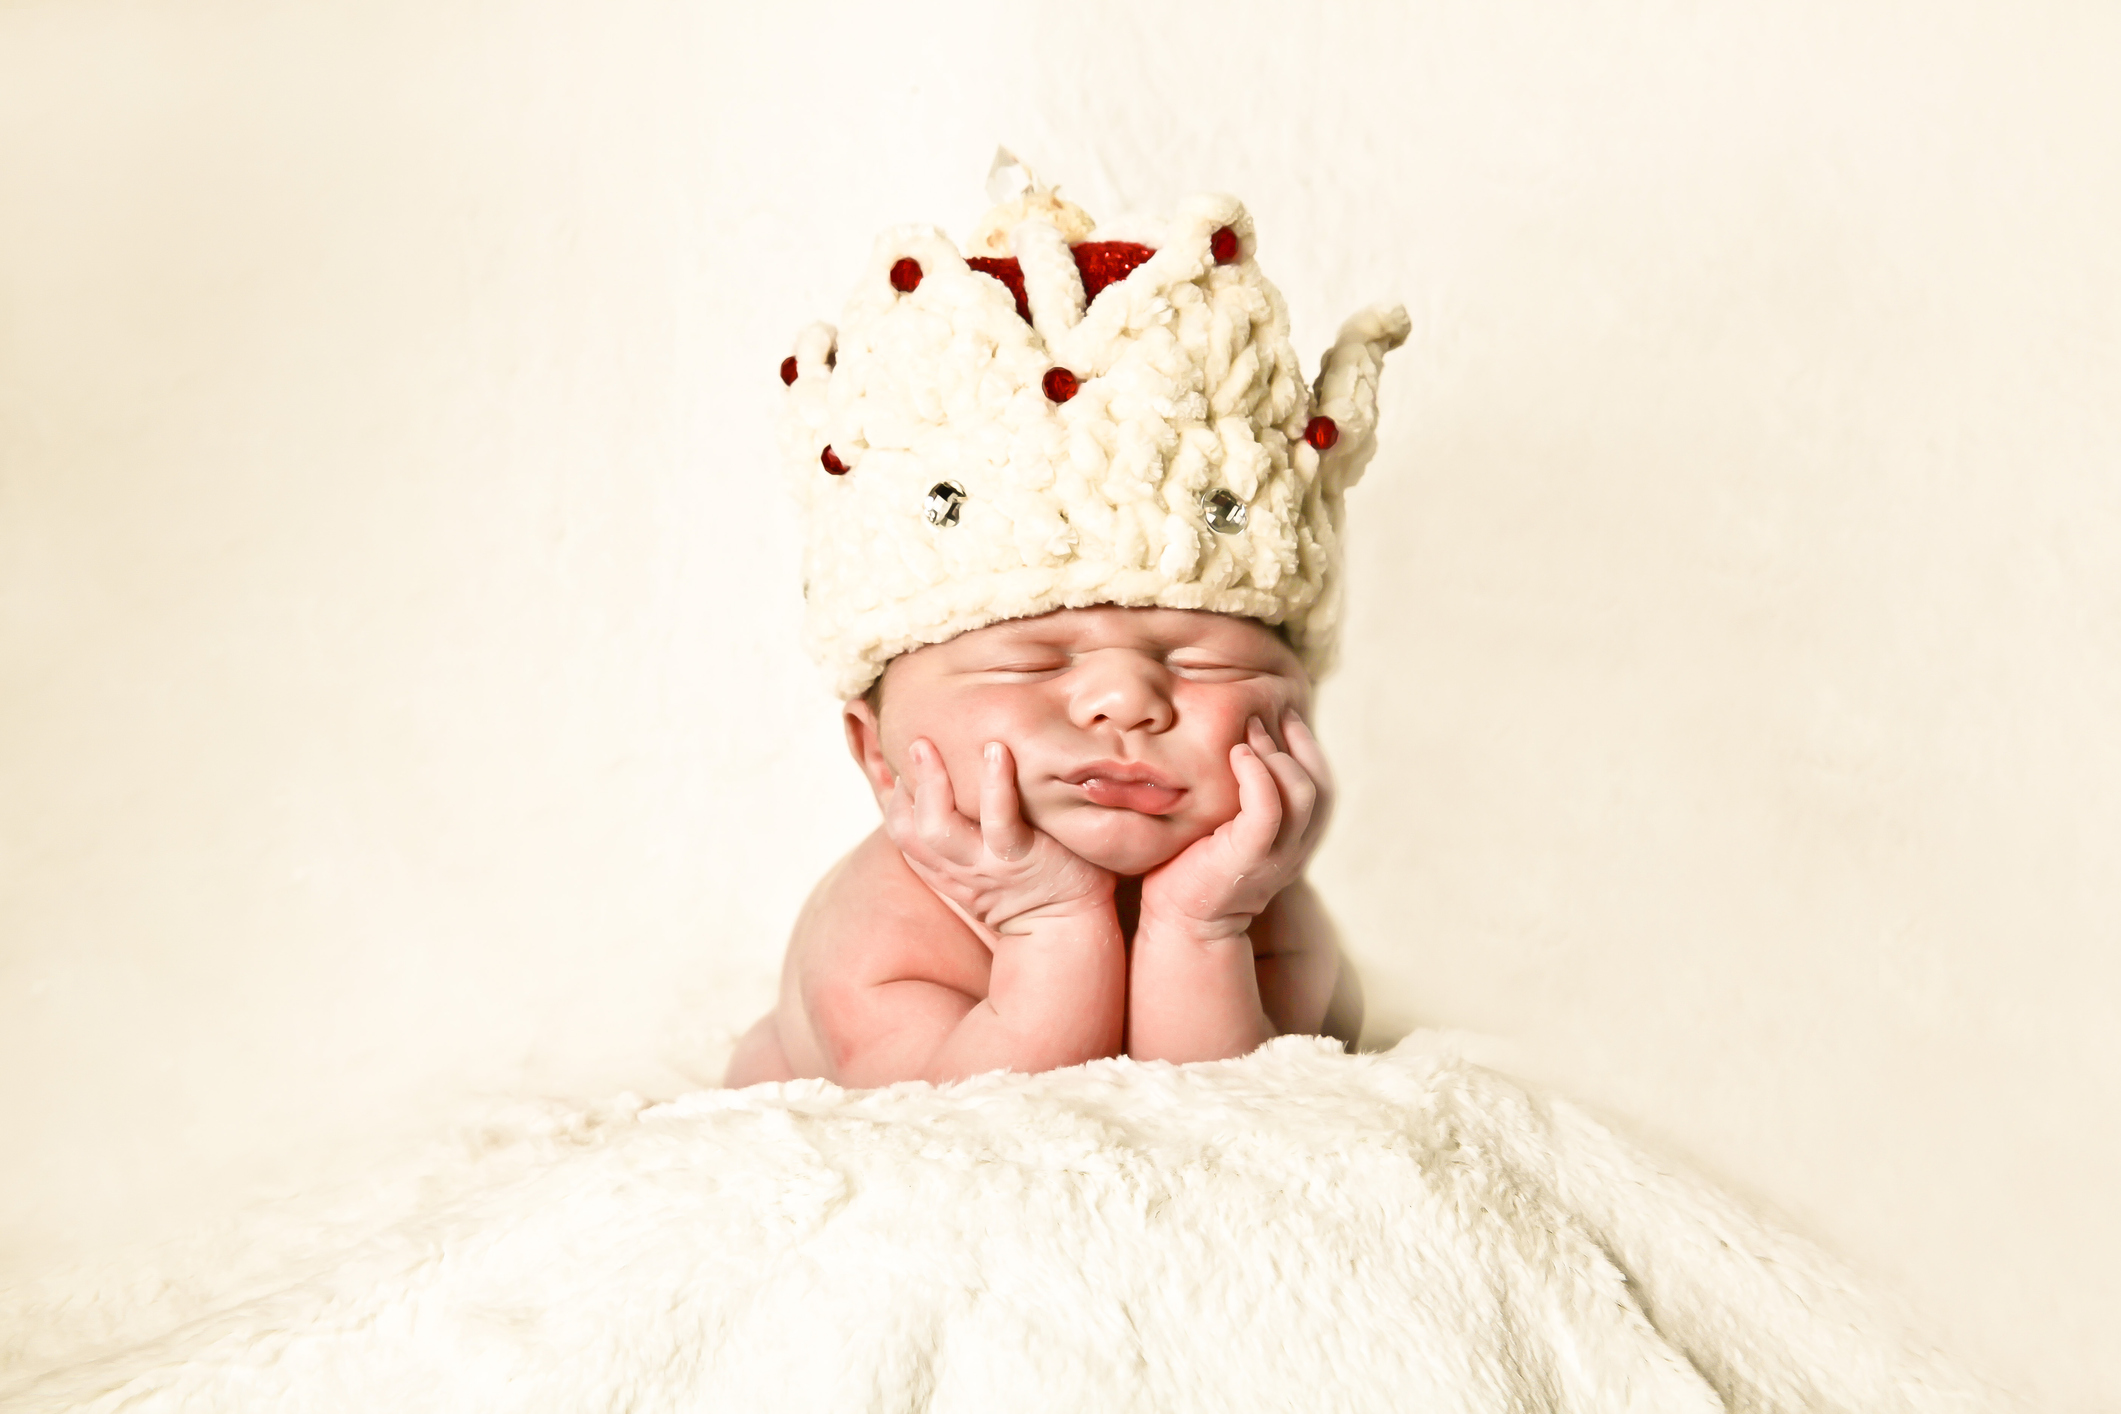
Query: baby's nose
[[1131, 696]]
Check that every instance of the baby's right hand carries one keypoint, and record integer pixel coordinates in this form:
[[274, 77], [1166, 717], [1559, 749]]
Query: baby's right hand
[[998, 870]]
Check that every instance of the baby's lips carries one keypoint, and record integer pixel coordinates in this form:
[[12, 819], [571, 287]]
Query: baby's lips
[[1144, 797], [1124, 785]]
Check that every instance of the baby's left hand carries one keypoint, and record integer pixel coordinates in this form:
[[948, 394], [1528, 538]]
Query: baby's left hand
[[1217, 885]]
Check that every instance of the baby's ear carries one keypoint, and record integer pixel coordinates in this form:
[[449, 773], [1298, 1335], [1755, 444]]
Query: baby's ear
[[865, 743]]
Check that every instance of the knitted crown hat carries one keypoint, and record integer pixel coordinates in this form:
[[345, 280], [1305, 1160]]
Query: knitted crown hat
[[1062, 422]]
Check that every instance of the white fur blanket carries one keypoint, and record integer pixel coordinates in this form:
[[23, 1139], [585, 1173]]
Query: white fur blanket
[[1298, 1230]]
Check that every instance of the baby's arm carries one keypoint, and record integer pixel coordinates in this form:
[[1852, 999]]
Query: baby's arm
[[1202, 986], [1307, 986], [900, 1006]]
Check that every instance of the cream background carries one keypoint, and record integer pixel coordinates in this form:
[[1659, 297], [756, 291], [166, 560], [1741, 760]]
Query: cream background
[[398, 698]]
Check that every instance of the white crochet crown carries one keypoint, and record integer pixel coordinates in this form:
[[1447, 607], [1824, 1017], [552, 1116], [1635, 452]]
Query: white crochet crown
[[1063, 422]]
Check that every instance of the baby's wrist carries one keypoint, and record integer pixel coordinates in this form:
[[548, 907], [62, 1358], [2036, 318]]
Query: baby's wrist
[[1093, 906], [1192, 925]]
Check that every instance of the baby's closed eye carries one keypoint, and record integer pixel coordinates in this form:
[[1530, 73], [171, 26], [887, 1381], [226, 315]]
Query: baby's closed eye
[[1212, 667], [1027, 664]]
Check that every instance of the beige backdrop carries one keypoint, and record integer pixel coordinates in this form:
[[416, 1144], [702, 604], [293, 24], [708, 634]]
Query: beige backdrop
[[399, 704]]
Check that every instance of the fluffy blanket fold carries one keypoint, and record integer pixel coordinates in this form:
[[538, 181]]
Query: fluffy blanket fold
[[1296, 1230]]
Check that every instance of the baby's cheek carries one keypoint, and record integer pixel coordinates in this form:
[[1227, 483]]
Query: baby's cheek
[[1225, 718], [962, 736], [1214, 792], [1226, 715]]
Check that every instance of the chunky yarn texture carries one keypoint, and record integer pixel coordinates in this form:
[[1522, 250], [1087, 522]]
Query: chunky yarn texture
[[1176, 473]]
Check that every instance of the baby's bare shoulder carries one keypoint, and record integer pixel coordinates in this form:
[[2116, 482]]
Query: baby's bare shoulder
[[872, 921], [872, 948]]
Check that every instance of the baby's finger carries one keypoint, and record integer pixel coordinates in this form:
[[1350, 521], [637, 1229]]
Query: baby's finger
[[898, 811], [935, 805], [1258, 804], [1001, 821], [1298, 795], [1297, 792], [1305, 748], [1303, 745], [902, 822]]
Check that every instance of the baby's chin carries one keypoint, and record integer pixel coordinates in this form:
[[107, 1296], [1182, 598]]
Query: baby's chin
[[1122, 841]]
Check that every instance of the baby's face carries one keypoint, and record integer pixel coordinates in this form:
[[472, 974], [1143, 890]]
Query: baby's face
[[1121, 721]]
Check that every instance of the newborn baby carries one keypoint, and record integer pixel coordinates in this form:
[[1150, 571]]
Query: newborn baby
[[1072, 542], [1095, 829]]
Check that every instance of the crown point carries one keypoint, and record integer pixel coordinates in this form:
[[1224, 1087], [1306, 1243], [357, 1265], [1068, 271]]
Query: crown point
[[1222, 245], [1060, 384], [788, 369], [906, 275], [831, 462], [1322, 433]]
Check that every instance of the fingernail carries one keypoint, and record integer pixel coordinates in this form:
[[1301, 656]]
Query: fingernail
[[994, 752]]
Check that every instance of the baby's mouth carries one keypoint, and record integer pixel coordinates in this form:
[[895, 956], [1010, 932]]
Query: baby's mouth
[[1119, 786]]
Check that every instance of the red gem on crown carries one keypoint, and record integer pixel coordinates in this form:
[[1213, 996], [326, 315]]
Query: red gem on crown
[[788, 369], [1223, 245], [832, 463], [1060, 384], [1322, 433], [906, 275]]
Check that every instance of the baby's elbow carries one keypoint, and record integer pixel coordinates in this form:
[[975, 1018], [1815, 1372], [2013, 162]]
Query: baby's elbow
[[872, 1034], [841, 1021]]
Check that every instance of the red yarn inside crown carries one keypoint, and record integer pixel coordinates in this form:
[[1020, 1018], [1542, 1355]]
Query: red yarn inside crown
[[1100, 263], [1009, 273], [1106, 262]]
